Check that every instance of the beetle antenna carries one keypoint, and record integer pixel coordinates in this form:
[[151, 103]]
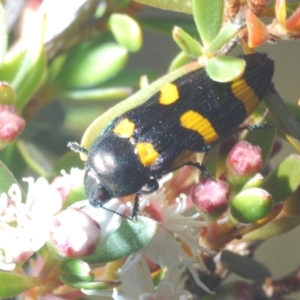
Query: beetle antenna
[[74, 146], [133, 214]]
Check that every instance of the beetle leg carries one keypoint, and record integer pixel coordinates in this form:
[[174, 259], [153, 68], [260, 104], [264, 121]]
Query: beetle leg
[[257, 126]]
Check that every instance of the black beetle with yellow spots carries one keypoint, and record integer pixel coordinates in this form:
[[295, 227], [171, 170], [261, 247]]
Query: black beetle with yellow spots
[[190, 114]]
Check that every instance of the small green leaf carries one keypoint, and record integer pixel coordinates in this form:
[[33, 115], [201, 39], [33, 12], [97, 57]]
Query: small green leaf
[[3, 33], [243, 266], [126, 31], [85, 67], [208, 16], [14, 284], [226, 33], [225, 68], [284, 180], [179, 60], [129, 238], [78, 269], [7, 178], [184, 6], [186, 43]]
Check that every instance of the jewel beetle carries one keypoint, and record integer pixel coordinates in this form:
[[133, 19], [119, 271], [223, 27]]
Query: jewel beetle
[[190, 114]]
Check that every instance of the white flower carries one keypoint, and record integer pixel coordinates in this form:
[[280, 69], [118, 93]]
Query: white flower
[[24, 227], [176, 232], [137, 283]]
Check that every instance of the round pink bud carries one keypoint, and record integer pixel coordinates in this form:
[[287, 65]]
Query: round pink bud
[[211, 198], [74, 233], [11, 124], [243, 161]]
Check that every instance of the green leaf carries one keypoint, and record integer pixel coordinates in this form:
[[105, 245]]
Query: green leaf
[[186, 43], [225, 68], [34, 158], [11, 157], [78, 269], [78, 117], [210, 161], [274, 228], [208, 16], [129, 238], [14, 284], [11, 65], [288, 219], [243, 266], [77, 283], [165, 24], [179, 60], [7, 178], [129, 78], [226, 33], [3, 33], [77, 193], [85, 67], [68, 161], [183, 6], [96, 94], [295, 109], [284, 180], [126, 31], [264, 138], [30, 73], [34, 79]]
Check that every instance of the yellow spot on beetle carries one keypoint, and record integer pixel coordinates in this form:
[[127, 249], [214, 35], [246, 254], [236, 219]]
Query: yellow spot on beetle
[[246, 94], [168, 94], [125, 128], [194, 121], [147, 154]]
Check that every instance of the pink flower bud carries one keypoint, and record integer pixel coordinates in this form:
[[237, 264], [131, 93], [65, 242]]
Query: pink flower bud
[[74, 233], [211, 198], [11, 124], [243, 162]]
